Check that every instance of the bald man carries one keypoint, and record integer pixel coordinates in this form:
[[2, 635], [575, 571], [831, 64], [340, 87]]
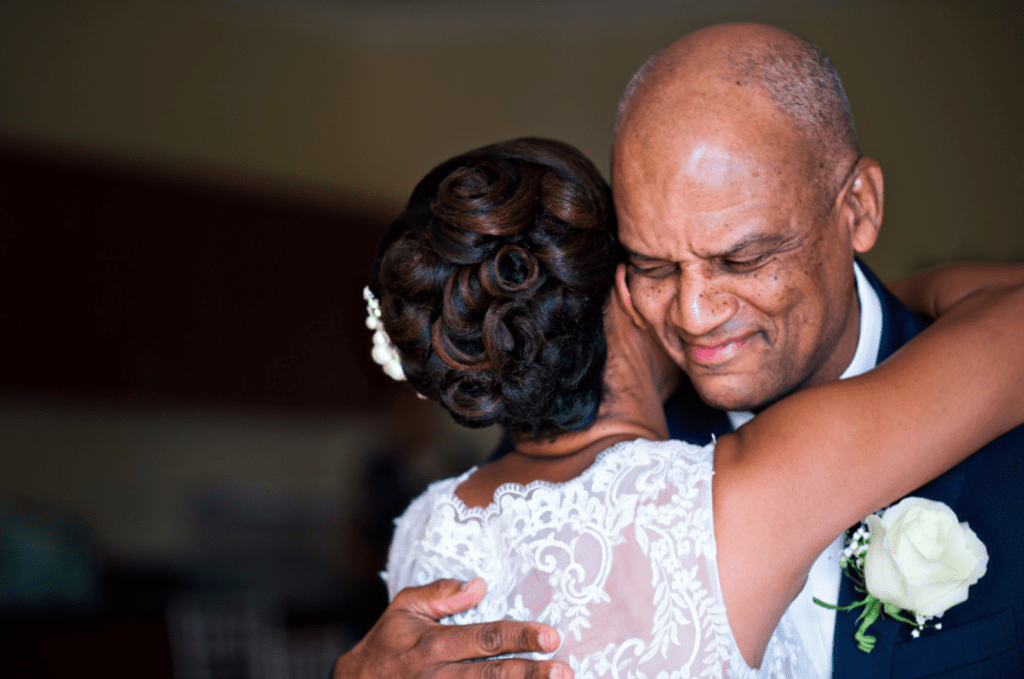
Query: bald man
[[743, 199]]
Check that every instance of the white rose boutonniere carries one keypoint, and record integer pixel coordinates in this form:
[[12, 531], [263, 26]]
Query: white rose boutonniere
[[920, 558], [916, 558]]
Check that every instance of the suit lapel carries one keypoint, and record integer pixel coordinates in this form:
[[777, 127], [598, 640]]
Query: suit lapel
[[899, 325], [847, 660]]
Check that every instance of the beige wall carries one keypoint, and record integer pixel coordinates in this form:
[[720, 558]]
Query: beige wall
[[355, 99]]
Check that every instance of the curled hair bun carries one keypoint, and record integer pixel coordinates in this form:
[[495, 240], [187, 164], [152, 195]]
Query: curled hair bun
[[493, 282]]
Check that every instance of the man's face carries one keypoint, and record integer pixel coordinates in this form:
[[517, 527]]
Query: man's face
[[735, 258]]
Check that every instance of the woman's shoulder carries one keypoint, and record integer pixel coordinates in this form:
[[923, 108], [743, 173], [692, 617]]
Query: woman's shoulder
[[416, 516], [437, 491], [412, 528]]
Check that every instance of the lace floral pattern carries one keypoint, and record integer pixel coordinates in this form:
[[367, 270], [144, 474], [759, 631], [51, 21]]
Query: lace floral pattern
[[620, 560]]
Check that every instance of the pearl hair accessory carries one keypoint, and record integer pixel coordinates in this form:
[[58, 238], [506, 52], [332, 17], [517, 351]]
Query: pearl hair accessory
[[384, 352]]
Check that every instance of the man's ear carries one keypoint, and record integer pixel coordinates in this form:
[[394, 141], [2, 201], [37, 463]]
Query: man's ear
[[626, 298], [862, 201]]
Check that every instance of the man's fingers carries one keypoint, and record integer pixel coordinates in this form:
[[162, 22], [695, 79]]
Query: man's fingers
[[506, 636], [483, 640], [508, 668], [441, 598], [454, 643]]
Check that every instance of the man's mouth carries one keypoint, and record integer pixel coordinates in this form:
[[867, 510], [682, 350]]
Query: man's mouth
[[719, 352]]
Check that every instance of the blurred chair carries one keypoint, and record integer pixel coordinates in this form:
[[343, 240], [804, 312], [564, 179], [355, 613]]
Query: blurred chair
[[247, 636]]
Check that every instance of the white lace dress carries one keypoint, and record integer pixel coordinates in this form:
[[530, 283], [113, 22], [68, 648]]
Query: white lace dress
[[620, 560]]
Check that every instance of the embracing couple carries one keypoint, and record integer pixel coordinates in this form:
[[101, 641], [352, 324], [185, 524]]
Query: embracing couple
[[652, 522]]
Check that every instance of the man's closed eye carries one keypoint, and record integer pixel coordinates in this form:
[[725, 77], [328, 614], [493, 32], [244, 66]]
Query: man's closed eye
[[745, 265], [656, 272]]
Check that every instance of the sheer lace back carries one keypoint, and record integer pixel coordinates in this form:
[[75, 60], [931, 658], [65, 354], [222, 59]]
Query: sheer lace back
[[620, 560]]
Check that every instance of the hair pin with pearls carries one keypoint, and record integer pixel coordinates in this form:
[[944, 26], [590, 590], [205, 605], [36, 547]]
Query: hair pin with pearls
[[384, 352]]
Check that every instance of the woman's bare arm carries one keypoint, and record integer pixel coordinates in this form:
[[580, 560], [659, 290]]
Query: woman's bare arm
[[820, 460], [932, 292]]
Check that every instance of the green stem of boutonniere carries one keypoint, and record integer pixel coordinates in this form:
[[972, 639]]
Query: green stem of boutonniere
[[873, 607], [893, 611]]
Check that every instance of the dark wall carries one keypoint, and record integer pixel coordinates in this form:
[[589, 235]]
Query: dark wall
[[130, 283]]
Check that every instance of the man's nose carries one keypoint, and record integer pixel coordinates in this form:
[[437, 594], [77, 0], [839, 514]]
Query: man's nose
[[702, 303]]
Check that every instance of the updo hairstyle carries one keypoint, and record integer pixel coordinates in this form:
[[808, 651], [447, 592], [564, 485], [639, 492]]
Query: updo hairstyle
[[492, 286]]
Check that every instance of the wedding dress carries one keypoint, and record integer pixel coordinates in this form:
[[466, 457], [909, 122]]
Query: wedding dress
[[620, 560]]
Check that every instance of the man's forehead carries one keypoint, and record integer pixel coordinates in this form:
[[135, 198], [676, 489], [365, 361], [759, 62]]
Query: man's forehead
[[710, 199], [708, 170], [713, 164], [699, 181]]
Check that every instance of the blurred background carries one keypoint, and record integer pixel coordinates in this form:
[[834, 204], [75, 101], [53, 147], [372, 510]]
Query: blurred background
[[199, 463]]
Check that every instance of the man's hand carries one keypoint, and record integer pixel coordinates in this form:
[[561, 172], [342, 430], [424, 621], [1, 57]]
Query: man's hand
[[408, 642]]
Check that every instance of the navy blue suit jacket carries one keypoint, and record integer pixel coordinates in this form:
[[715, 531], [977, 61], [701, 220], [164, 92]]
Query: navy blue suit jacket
[[982, 637]]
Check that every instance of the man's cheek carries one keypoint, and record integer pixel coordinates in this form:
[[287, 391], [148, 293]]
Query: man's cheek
[[773, 284], [777, 293], [797, 319], [650, 300]]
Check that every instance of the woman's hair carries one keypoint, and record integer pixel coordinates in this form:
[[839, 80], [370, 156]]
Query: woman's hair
[[492, 286]]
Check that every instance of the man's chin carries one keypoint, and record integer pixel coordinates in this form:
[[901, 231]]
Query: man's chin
[[724, 393]]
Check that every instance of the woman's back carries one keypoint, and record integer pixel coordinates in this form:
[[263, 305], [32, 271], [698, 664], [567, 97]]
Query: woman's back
[[621, 560]]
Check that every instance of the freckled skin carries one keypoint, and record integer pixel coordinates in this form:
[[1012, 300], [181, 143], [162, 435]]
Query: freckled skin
[[720, 206]]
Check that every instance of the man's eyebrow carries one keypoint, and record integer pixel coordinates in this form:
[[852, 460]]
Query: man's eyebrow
[[758, 240], [762, 240], [632, 254]]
